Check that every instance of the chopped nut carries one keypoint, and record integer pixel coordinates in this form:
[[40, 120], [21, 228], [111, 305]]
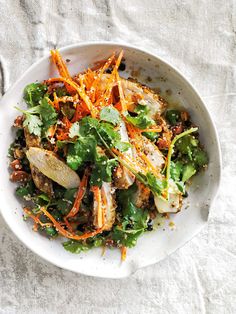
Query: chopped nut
[[19, 176], [16, 165], [18, 123]]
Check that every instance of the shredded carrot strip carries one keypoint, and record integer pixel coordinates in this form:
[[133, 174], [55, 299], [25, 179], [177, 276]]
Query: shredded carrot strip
[[123, 250], [68, 234], [80, 194], [55, 102], [112, 77], [104, 205], [62, 68], [152, 130], [98, 201], [79, 90], [36, 219]]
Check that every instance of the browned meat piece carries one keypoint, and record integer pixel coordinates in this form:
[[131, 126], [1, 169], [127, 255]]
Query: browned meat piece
[[19, 176], [31, 139], [42, 182], [141, 197]]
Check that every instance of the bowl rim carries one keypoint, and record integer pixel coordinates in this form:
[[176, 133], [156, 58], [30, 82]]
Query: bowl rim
[[186, 81]]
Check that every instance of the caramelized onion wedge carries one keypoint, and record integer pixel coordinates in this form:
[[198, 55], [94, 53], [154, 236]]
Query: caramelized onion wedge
[[52, 167]]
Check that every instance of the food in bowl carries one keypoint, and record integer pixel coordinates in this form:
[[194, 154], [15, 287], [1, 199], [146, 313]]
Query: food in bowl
[[97, 157]]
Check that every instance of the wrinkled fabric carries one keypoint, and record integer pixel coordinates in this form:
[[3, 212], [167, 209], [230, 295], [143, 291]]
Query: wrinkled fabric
[[199, 38]]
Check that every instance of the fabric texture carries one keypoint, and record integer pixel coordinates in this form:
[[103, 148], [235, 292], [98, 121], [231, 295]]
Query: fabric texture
[[199, 38]]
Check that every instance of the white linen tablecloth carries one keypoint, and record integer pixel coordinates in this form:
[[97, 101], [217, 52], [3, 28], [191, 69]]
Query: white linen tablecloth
[[199, 38]]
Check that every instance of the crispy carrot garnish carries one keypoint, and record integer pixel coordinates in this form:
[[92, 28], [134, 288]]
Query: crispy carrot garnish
[[123, 250], [62, 68], [98, 201], [36, 218], [55, 102], [80, 194], [68, 234], [80, 90]]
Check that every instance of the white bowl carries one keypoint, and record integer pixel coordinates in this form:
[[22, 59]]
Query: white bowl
[[152, 246]]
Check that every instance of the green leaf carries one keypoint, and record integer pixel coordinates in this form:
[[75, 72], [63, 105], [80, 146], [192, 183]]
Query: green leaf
[[51, 231], [200, 157], [122, 146], [102, 170], [47, 113], [133, 219], [127, 239], [74, 130], [188, 171], [107, 132], [142, 120], [26, 190], [44, 197], [82, 151], [181, 186], [126, 196], [65, 202], [176, 169], [33, 93], [83, 246], [110, 114], [173, 116], [88, 126], [33, 123], [155, 185], [152, 136], [186, 144]]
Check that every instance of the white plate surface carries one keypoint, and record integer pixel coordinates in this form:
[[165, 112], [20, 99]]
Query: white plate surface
[[153, 246]]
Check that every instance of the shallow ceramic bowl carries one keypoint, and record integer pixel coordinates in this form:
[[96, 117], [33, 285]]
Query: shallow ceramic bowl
[[153, 246]]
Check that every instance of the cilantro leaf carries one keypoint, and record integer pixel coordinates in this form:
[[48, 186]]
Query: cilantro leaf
[[176, 169], [186, 144], [82, 151], [107, 132], [110, 114], [88, 126], [47, 113], [189, 170], [122, 146], [102, 170], [83, 246], [33, 123], [142, 120], [151, 135], [173, 116], [133, 219], [33, 93], [124, 237], [155, 185]]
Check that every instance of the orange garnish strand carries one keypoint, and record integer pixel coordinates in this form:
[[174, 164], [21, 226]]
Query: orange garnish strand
[[68, 234], [123, 250], [80, 194], [61, 67], [98, 200], [152, 130], [36, 219], [55, 102], [79, 90]]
